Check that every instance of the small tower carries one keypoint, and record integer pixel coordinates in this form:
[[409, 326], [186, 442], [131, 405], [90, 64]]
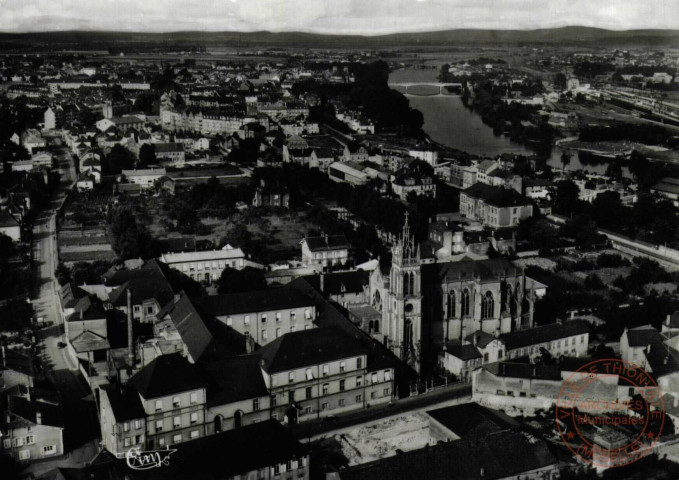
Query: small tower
[[405, 309]]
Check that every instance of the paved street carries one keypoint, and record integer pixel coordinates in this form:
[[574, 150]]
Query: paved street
[[81, 427]]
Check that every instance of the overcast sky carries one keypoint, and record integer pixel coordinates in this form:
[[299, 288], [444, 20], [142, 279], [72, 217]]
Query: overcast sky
[[366, 17]]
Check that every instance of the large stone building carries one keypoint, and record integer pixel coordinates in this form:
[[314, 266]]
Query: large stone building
[[425, 304], [494, 206]]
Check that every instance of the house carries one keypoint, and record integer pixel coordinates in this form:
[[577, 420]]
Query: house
[[271, 196], [10, 226], [173, 397], [494, 206], [403, 183], [468, 420], [170, 152], [344, 288], [87, 334], [32, 424], [32, 140], [262, 315], [15, 369], [85, 182], [319, 372], [122, 419], [205, 266], [145, 178], [326, 250]]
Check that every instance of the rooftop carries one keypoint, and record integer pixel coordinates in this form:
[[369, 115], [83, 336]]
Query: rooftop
[[166, 375]]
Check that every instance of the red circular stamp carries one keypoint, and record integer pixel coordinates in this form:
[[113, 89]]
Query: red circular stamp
[[610, 413]]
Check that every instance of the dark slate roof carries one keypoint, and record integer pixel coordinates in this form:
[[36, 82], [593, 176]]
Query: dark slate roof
[[125, 405], [248, 448], [545, 333], [71, 295], [496, 196], [309, 347], [258, 301], [17, 362], [143, 289], [340, 282], [482, 338], [468, 269], [23, 410], [233, 379], [166, 375], [673, 321], [524, 370], [499, 455], [643, 336], [463, 352], [327, 242], [472, 419], [7, 220], [92, 312], [203, 335]]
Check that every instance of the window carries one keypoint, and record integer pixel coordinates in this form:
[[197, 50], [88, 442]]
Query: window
[[264, 335], [246, 321], [359, 362], [194, 418], [126, 427], [325, 370], [137, 439], [194, 434], [177, 438], [19, 442], [307, 314], [308, 393], [342, 366], [26, 454], [161, 442], [373, 395], [359, 398], [137, 308], [342, 385], [386, 392], [278, 332], [137, 424], [387, 375], [264, 318], [49, 449], [499, 354], [374, 378], [451, 304], [308, 410], [485, 357], [325, 388], [30, 440], [7, 443], [175, 402], [177, 422], [325, 406], [159, 405], [276, 469], [159, 425], [342, 402], [293, 315], [291, 377], [149, 310], [194, 398], [274, 402], [464, 303], [309, 374], [229, 321], [487, 305], [126, 442]]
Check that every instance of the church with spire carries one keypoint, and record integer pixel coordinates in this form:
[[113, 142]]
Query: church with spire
[[424, 304]]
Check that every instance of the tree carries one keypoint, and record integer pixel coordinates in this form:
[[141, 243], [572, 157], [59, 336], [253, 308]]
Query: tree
[[238, 281], [566, 197], [560, 81], [614, 170], [638, 166], [119, 159], [147, 155], [565, 159]]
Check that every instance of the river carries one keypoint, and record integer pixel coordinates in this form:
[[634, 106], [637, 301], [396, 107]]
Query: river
[[449, 122]]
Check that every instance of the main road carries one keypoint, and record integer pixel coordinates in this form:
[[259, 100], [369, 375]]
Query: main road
[[80, 420]]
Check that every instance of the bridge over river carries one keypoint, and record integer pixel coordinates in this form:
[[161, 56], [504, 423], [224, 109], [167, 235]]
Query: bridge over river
[[440, 86]]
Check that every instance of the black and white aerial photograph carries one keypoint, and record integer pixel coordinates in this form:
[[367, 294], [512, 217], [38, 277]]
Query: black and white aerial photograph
[[339, 240]]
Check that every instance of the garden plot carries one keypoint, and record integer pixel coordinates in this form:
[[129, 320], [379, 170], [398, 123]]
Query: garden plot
[[382, 439]]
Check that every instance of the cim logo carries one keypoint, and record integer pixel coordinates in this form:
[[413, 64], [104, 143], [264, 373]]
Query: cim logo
[[138, 460]]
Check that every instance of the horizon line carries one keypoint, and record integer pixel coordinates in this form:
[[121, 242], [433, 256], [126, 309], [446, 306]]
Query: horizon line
[[313, 32]]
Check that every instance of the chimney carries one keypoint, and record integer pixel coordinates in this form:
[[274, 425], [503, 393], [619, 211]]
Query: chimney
[[482, 472], [3, 356], [38, 418], [667, 320], [130, 333], [648, 348], [322, 282]]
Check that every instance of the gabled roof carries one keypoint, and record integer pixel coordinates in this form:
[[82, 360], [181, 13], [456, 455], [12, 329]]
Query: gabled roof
[[7, 220], [469, 269], [88, 341], [142, 290], [12, 360], [496, 196], [280, 298], [126, 405], [545, 333], [327, 242], [340, 282], [463, 351], [643, 336], [307, 348], [472, 419], [233, 379], [24, 412], [166, 375]]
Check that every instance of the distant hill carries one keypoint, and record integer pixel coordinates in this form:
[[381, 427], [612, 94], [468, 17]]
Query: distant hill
[[582, 36]]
